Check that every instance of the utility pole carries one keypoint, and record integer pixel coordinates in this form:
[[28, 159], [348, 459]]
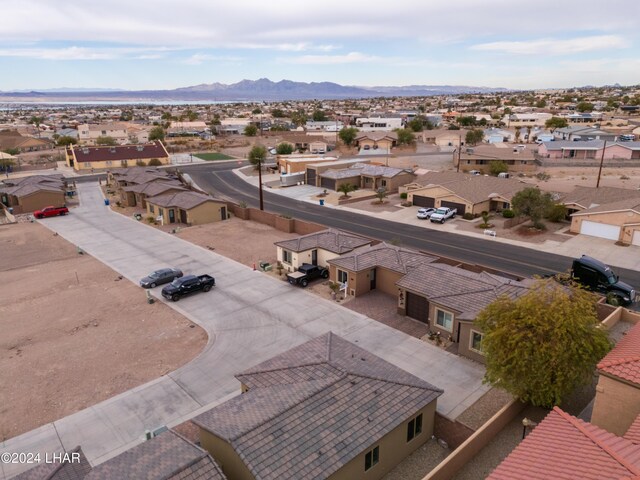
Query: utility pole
[[601, 162], [459, 151], [260, 184]]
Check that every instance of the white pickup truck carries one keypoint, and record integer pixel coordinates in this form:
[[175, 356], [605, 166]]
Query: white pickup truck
[[442, 214]]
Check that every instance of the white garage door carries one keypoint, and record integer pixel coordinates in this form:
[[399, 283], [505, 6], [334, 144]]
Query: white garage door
[[602, 230], [636, 238]]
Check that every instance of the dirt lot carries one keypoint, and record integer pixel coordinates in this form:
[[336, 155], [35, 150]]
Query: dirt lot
[[563, 179], [65, 344]]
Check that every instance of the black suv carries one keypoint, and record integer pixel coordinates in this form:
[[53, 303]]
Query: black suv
[[599, 277], [307, 272]]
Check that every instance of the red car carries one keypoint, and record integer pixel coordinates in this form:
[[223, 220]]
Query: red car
[[50, 212]]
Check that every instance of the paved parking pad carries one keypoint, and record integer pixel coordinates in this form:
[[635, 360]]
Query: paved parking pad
[[249, 317]]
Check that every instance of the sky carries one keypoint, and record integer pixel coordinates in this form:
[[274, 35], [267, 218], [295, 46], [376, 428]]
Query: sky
[[143, 44]]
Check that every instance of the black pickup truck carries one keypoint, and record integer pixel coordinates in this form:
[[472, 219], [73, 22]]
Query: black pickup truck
[[307, 272], [187, 285]]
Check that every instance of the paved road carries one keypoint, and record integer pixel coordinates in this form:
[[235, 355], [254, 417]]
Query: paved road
[[249, 317], [221, 181]]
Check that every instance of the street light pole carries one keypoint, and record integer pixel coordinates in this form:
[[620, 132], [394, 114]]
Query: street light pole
[[601, 162]]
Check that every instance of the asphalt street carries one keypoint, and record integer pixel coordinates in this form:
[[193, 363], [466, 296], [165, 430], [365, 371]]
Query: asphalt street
[[219, 180]]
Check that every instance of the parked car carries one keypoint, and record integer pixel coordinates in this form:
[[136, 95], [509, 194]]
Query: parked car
[[424, 213], [160, 277], [50, 212], [187, 285], [442, 214], [596, 276], [307, 272], [475, 172]]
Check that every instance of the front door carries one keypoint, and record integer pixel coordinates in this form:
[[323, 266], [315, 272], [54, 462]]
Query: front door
[[314, 257], [183, 216], [172, 216], [372, 279], [223, 213]]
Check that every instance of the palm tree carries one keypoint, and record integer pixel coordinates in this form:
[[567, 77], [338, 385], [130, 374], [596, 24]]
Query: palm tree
[[346, 188]]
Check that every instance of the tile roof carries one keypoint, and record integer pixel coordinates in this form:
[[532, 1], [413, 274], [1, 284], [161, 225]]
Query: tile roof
[[633, 433], [119, 152], [382, 255], [473, 188], [22, 187], [563, 447], [155, 188], [59, 470], [571, 145], [376, 136], [363, 169], [624, 360], [312, 409], [331, 240], [589, 197], [185, 200], [461, 290], [620, 205], [167, 456]]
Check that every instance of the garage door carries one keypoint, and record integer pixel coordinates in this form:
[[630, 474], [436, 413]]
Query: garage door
[[328, 183], [424, 201], [311, 176], [459, 206], [417, 307], [602, 230], [635, 240]]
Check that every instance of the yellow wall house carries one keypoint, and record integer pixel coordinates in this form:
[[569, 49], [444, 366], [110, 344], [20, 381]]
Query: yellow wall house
[[82, 158], [27, 194], [317, 248], [190, 208], [335, 418]]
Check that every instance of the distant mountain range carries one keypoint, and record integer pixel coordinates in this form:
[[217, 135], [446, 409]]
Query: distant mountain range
[[245, 90]]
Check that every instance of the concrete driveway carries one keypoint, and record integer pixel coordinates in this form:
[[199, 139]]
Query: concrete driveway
[[249, 317]]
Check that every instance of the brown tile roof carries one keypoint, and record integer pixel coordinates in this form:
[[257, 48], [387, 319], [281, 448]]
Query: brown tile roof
[[184, 200], [167, 456], [117, 153], [22, 187], [312, 409], [376, 136], [624, 360], [461, 290], [473, 188], [633, 433], [589, 197], [620, 205], [364, 169], [331, 240], [155, 188], [59, 470], [565, 447], [382, 255], [10, 139]]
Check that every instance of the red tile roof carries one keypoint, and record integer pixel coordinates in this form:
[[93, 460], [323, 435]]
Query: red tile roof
[[117, 153], [563, 447], [624, 360], [633, 433]]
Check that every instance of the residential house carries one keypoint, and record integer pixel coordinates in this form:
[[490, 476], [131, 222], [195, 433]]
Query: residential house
[[448, 138], [380, 124], [122, 177], [177, 129], [82, 158], [449, 299], [27, 194], [565, 447], [380, 141], [317, 248], [324, 126], [617, 402], [136, 195], [605, 212], [167, 456], [374, 267], [582, 133], [289, 164], [325, 409], [313, 170], [13, 140], [366, 176], [190, 208], [467, 193], [88, 134], [526, 119], [498, 135], [480, 157], [591, 151]]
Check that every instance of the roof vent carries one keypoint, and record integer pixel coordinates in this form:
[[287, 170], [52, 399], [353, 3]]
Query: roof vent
[[85, 151], [140, 148], [112, 150]]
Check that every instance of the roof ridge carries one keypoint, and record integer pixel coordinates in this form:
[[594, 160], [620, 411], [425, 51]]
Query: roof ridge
[[612, 453], [314, 391], [396, 382], [310, 364], [466, 292]]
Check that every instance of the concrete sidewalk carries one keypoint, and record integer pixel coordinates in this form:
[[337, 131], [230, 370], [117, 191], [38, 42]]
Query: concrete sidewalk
[[249, 317]]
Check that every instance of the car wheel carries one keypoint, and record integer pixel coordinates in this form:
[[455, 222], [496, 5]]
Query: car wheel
[[175, 298], [325, 274], [206, 288], [153, 285], [442, 221], [292, 281], [304, 282]]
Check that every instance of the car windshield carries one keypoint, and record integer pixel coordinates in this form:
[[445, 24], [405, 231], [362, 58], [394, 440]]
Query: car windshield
[[176, 282], [441, 211], [611, 277], [154, 274]]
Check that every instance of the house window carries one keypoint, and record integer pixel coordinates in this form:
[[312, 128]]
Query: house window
[[108, 163], [371, 458], [287, 257], [383, 183], [444, 320], [87, 164], [414, 428], [342, 276], [152, 209], [475, 342]]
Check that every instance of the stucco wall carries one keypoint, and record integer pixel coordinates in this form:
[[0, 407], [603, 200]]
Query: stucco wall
[[611, 218], [231, 464], [38, 201], [206, 212], [464, 346], [616, 406]]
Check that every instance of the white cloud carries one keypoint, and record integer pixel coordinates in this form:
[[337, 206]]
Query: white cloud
[[551, 46], [352, 57], [78, 53], [200, 58]]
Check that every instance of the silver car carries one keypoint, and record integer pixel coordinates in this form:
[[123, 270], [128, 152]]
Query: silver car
[[425, 213], [159, 277]]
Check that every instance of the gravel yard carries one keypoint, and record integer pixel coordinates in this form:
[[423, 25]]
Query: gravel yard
[[74, 333]]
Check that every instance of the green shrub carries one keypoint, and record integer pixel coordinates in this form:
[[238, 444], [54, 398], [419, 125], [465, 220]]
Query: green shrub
[[508, 213], [557, 213], [468, 216], [154, 162], [403, 195]]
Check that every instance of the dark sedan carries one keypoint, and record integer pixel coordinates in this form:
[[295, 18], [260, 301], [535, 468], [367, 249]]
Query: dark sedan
[[160, 277]]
